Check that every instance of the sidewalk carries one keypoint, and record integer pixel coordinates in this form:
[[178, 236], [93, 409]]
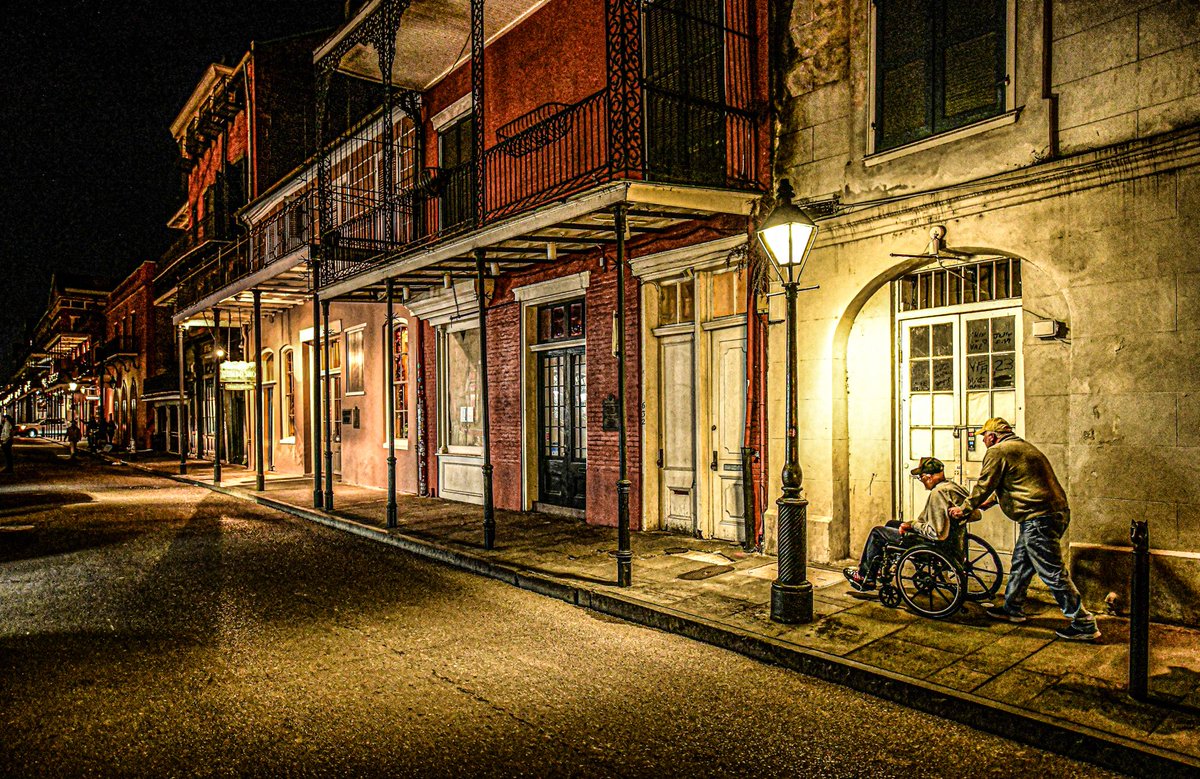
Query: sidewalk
[[1014, 680]]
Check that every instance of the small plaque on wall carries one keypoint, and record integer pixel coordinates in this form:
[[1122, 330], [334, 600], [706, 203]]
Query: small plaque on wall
[[610, 418]]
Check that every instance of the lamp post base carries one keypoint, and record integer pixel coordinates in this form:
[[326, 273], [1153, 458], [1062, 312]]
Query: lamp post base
[[791, 604]]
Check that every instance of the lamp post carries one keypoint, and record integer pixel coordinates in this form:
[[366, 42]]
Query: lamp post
[[787, 235]]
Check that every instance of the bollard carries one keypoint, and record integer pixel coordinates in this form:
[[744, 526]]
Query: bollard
[[1139, 611]]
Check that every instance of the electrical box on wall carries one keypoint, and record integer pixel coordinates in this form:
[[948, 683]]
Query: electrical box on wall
[[1049, 329]]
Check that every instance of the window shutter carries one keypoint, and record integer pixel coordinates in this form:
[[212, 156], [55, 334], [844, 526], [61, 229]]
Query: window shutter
[[971, 63], [903, 71]]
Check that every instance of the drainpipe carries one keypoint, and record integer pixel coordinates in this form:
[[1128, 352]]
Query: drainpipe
[[1048, 94]]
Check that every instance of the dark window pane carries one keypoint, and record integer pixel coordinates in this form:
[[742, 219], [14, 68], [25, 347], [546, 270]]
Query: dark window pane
[[1016, 278], [920, 376], [908, 293], [985, 282], [1002, 334], [687, 301], [939, 288], [972, 86], [943, 375], [558, 322], [576, 320], [543, 325], [977, 372], [919, 341], [970, 284], [1002, 289], [1003, 370], [943, 340], [977, 336]]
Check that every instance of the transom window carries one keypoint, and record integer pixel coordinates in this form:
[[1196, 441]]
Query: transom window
[[980, 282], [939, 65], [289, 394], [729, 292], [676, 301], [561, 321]]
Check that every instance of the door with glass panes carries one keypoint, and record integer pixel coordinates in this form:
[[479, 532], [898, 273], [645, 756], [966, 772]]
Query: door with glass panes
[[956, 371]]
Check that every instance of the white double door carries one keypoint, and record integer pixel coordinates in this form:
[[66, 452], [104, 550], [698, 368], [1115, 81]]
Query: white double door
[[957, 371], [703, 420]]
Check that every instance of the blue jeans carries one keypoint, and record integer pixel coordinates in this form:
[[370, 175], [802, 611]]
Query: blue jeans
[[1039, 548], [879, 537]]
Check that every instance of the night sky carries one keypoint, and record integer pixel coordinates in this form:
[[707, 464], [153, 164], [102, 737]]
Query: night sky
[[89, 165]]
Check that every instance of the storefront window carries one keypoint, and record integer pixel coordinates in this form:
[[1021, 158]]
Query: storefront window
[[400, 380], [354, 352], [465, 423], [289, 395]]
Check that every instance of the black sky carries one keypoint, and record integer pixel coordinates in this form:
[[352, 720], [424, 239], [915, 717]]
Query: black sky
[[88, 90]]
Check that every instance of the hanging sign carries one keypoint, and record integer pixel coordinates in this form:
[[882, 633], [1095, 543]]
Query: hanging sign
[[237, 375]]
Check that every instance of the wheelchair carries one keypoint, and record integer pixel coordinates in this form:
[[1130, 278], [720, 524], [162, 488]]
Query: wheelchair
[[935, 578]]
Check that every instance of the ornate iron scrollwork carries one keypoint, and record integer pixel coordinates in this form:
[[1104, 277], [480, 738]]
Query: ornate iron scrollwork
[[624, 45]]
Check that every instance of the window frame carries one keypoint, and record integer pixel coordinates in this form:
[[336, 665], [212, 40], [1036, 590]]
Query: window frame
[[1007, 114], [287, 410], [399, 324], [346, 369]]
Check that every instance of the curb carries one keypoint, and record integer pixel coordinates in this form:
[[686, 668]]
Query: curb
[[1075, 741]]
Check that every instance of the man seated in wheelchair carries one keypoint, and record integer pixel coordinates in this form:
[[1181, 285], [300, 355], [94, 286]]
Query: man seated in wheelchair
[[933, 525]]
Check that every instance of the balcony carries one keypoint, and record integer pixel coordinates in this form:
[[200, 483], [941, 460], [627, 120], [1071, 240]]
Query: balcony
[[682, 105], [121, 347]]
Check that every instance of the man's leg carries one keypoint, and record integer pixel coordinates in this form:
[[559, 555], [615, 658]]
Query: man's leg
[[1045, 553], [1020, 573], [878, 538], [8, 461]]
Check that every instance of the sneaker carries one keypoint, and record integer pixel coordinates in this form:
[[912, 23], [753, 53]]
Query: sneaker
[[1072, 633], [857, 581], [998, 612]]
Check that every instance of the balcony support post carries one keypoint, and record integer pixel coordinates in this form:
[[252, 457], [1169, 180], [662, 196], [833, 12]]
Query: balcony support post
[[181, 417], [624, 74], [318, 251], [389, 368], [385, 48], [624, 552], [328, 407], [489, 509], [477, 118], [218, 399], [260, 475], [419, 363]]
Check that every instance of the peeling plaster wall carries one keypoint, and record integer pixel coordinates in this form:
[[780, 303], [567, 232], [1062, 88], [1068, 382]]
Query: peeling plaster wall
[[1108, 238]]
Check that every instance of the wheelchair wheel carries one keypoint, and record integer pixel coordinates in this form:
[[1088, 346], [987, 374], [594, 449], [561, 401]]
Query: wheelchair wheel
[[889, 596], [930, 583], [983, 569]]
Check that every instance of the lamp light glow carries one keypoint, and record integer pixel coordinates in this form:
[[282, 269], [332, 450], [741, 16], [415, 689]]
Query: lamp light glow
[[788, 233]]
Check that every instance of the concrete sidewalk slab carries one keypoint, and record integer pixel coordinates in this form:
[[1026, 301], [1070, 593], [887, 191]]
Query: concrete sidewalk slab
[[1014, 680]]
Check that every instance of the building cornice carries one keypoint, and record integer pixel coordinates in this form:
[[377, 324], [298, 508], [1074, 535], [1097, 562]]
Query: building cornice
[[1103, 167]]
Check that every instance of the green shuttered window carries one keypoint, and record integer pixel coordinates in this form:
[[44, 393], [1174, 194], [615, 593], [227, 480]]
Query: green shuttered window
[[940, 65]]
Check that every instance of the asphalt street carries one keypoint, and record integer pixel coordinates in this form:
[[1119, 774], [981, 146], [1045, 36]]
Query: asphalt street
[[154, 629]]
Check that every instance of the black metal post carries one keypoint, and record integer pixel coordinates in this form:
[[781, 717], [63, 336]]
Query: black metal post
[[260, 475], [315, 411], [489, 509], [1139, 612], [624, 551], [478, 162], [181, 418], [328, 405], [389, 368], [791, 592], [422, 477], [218, 400]]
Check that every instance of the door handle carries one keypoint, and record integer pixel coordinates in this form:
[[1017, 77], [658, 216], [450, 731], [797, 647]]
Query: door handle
[[660, 458], [713, 465]]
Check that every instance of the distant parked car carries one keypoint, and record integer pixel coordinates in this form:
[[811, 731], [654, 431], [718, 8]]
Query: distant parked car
[[40, 428]]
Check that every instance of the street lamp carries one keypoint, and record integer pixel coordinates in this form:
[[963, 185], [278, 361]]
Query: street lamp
[[787, 235], [72, 387]]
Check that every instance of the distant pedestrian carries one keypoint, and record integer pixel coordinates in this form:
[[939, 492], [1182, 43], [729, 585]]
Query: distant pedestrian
[[73, 436], [1024, 483], [8, 431]]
